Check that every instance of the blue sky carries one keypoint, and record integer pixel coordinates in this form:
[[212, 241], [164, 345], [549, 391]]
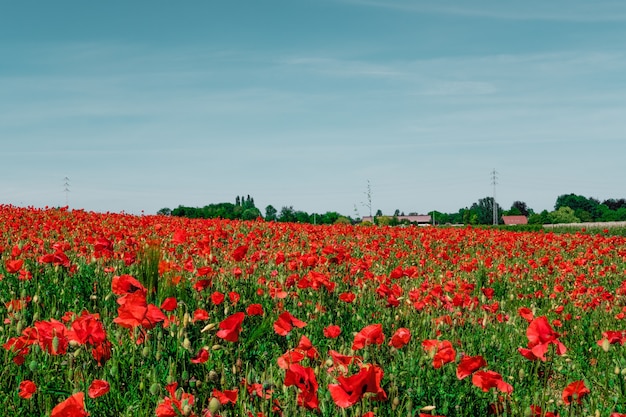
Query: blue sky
[[152, 104]]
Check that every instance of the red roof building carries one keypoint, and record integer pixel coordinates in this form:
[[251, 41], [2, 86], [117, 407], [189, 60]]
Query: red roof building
[[514, 220]]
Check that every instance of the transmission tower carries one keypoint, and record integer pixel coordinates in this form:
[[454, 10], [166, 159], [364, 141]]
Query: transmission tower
[[66, 190], [494, 181]]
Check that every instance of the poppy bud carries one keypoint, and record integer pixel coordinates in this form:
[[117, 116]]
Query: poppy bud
[[214, 405], [145, 351], [617, 371], [33, 365], [35, 299], [606, 345], [395, 402], [186, 343], [154, 388], [55, 344], [208, 327], [186, 319]]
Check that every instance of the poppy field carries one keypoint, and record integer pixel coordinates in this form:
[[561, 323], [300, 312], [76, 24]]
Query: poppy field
[[121, 315]]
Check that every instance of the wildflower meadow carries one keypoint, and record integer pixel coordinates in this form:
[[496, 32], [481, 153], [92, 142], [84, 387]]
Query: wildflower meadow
[[108, 314]]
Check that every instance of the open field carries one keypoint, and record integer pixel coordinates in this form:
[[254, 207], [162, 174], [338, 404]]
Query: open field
[[119, 315]]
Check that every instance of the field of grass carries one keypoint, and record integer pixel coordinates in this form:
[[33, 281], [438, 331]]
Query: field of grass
[[120, 315]]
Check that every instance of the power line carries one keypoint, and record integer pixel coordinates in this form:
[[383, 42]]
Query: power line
[[494, 178], [66, 190]]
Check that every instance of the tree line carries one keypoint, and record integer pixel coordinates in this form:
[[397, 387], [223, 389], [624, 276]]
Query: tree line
[[569, 208]]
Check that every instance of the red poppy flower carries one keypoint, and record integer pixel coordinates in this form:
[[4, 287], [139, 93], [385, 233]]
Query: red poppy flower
[[172, 406], [74, 406], [286, 322], [134, 311], [217, 298], [342, 362], [442, 351], [575, 392], [468, 365], [400, 338], [332, 331], [200, 314], [201, 357], [234, 297], [13, 266], [240, 252], [98, 388], [350, 390], [27, 389], [52, 337], [540, 335], [613, 337], [486, 380], [227, 396], [536, 411], [87, 329], [285, 360], [347, 297], [304, 379], [102, 353], [231, 327], [254, 310], [125, 284], [169, 304], [526, 313], [369, 335]]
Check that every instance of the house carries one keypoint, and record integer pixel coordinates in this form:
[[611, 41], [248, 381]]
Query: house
[[514, 220]]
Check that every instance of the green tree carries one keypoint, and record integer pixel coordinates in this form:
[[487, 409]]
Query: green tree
[[270, 213], [287, 214], [483, 210], [251, 213], [164, 212], [564, 214], [540, 218], [519, 208], [582, 206]]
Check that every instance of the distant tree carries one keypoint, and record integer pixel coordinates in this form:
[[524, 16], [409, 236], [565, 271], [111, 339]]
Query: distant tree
[[519, 208], [287, 214], [540, 218], [251, 213], [303, 217], [582, 206], [329, 217], [270, 213], [396, 213], [164, 212], [343, 220], [564, 214], [614, 204], [237, 201], [483, 210], [379, 213]]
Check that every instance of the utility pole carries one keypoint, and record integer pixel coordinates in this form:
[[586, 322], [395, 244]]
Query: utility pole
[[368, 194], [494, 179], [66, 190]]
